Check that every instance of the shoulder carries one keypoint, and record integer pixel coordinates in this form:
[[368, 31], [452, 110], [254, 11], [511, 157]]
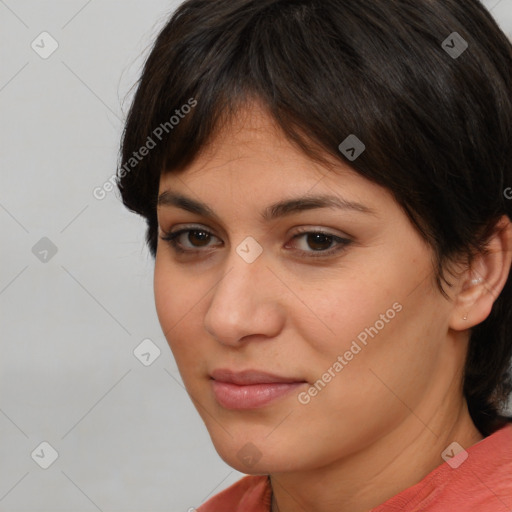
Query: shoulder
[[492, 463], [483, 480], [249, 494], [478, 479]]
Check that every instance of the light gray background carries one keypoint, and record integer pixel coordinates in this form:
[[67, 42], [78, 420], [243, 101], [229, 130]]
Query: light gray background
[[127, 435]]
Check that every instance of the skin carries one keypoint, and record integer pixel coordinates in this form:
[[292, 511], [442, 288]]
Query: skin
[[381, 424]]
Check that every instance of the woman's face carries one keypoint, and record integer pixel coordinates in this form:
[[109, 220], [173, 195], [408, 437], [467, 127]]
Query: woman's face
[[320, 344]]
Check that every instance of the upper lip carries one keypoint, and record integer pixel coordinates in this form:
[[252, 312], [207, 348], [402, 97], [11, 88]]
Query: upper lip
[[249, 377]]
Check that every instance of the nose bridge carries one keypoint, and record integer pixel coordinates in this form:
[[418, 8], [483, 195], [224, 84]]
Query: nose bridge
[[242, 302]]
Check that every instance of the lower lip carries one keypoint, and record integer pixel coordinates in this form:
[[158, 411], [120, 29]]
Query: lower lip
[[232, 396]]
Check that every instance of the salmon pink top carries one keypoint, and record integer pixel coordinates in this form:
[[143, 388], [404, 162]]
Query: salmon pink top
[[482, 482]]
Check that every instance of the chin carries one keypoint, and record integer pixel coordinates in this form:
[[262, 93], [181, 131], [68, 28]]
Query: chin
[[255, 468], [257, 458]]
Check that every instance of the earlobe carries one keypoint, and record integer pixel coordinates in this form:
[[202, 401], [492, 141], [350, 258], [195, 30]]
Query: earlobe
[[483, 282]]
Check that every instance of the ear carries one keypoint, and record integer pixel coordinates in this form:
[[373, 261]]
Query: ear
[[481, 284]]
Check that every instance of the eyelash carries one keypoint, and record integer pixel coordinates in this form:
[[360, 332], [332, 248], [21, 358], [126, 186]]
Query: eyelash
[[342, 243]]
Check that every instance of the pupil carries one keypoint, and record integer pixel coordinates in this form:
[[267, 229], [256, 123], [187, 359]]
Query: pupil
[[318, 238], [202, 236]]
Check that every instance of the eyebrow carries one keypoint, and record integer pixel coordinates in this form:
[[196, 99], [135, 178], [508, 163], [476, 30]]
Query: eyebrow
[[274, 211]]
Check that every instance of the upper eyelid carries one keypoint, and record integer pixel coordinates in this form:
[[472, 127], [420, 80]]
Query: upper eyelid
[[186, 228], [303, 230]]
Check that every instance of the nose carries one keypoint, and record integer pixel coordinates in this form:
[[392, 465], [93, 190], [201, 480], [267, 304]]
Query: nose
[[245, 303]]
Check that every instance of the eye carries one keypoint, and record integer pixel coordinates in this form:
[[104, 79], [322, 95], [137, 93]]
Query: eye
[[197, 238], [192, 241], [322, 243]]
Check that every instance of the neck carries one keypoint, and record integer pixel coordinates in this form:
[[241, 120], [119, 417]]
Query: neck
[[394, 462]]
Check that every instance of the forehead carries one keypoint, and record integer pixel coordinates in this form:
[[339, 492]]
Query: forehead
[[251, 165], [251, 142], [251, 161]]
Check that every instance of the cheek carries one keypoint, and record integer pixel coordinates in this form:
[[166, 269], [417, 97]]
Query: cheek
[[347, 309], [176, 301], [166, 297], [386, 344], [386, 321]]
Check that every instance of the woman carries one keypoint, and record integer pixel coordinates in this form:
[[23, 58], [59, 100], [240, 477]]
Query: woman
[[324, 183]]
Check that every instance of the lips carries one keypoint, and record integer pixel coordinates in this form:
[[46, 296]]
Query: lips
[[250, 377], [250, 389]]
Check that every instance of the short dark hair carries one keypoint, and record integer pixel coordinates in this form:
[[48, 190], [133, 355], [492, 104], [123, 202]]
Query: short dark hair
[[437, 126]]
